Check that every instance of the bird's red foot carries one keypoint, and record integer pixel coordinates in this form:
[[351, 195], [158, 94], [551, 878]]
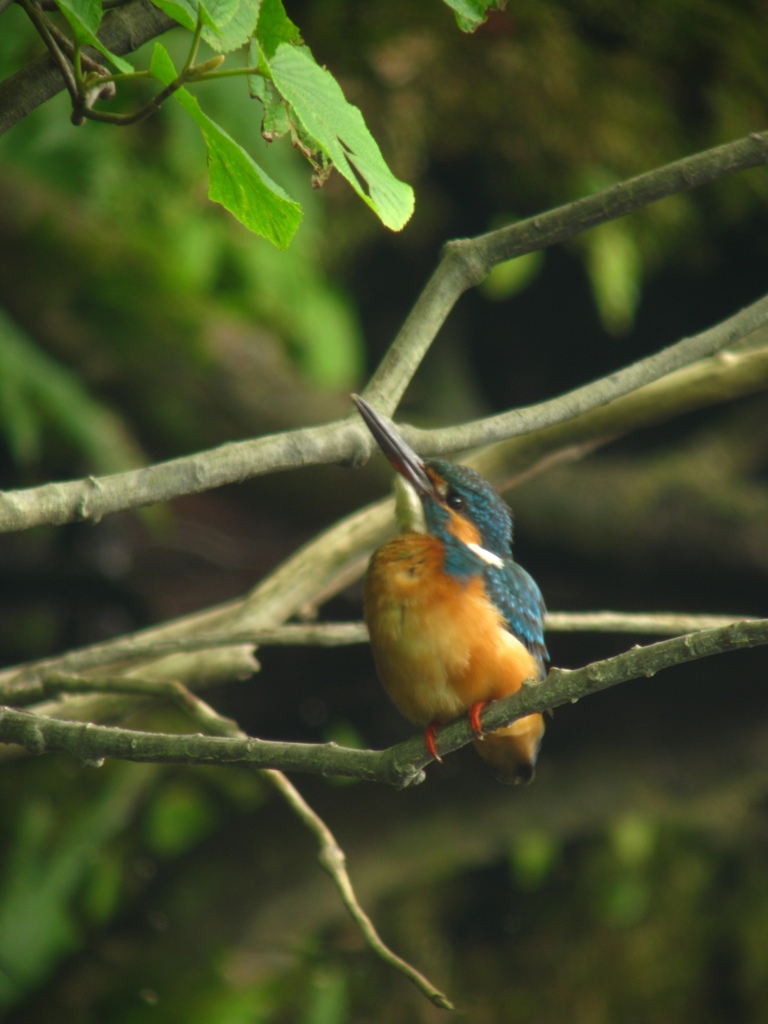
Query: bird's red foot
[[474, 718], [430, 737]]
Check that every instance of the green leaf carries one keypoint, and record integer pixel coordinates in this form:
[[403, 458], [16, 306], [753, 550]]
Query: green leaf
[[339, 130], [276, 121], [235, 180], [223, 11], [84, 17], [235, 22], [275, 27], [183, 11], [227, 24], [470, 14], [281, 119]]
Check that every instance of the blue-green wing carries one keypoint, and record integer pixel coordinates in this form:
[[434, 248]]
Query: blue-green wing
[[518, 598]]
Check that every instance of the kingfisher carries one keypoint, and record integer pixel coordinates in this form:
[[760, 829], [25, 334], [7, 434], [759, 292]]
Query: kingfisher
[[454, 621]]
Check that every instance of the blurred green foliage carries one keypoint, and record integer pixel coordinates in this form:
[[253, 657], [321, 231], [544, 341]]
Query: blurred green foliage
[[37, 394], [176, 819], [54, 871]]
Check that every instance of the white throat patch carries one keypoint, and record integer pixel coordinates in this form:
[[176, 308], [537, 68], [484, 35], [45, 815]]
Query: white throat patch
[[487, 556]]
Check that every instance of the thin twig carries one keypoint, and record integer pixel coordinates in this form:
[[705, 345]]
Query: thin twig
[[122, 31], [83, 108], [44, 30], [330, 855], [65, 43], [333, 859]]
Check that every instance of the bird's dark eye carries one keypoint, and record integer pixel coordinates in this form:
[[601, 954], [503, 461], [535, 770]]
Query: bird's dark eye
[[454, 501]]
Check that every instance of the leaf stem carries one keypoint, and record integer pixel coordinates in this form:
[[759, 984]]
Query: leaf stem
[[188, 64], [44, 30]]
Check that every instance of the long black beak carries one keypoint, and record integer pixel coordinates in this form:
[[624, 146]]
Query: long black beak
[[403, 458]]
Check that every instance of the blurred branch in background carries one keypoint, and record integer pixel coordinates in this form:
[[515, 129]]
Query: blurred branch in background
[[37, 676]]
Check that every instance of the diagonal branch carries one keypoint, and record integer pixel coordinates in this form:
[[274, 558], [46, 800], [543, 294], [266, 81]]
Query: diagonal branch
[[400, 765], [43, 28], [466, 262], [345, 441], [598, 393], [333, 859]]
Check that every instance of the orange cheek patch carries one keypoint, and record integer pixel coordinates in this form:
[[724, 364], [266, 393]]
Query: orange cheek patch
[[463, 530]]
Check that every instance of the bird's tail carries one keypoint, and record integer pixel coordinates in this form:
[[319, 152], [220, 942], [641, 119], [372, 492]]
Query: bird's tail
[[511, 753]]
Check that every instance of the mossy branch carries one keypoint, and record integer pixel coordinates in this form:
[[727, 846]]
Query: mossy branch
[[400, 765]]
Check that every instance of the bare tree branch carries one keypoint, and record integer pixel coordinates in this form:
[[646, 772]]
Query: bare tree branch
[[598, 393], [401, 765], [333, 859], [466, 262], [719, 378], [648, 623], [344, 441]]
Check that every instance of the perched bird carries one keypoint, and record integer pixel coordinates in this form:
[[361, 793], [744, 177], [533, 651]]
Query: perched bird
[[454, 622]]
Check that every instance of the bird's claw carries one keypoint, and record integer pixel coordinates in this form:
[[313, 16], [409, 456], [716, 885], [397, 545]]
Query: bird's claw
[[430, 742], [474, 718]]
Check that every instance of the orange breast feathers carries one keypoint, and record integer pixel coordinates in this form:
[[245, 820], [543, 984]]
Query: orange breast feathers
[[440, 645]]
